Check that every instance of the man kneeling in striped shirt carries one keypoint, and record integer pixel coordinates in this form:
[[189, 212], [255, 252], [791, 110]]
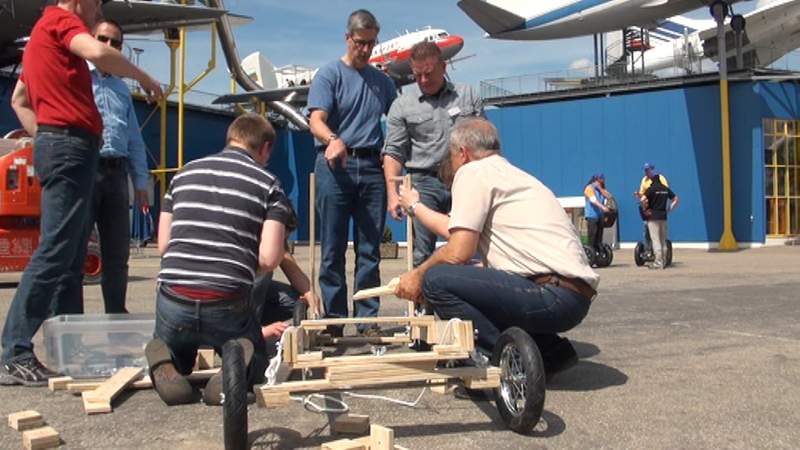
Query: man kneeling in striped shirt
[[222, 219]]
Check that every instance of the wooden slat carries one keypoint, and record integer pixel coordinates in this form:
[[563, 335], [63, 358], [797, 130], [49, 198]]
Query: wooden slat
[[344, 444], [351, 424], [25, 420], [409, 243], [421, 320], [58, 383], [356, 340], [112, 387], [381, 438], [388, 289], [41, 438], [408, 357], [312, 236]]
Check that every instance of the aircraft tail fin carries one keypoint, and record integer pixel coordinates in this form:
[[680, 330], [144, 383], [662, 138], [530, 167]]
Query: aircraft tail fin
[[491, 18]]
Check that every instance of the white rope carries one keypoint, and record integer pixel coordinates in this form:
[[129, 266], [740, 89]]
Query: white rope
[[271, 374]]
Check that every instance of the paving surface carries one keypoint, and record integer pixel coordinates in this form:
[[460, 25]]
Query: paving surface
[[703, 355]]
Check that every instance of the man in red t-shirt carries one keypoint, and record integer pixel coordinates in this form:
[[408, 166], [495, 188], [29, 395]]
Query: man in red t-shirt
[[54, 102]]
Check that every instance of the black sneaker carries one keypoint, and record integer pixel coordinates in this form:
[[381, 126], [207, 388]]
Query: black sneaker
[[26, 371], [559, 357], [170, 385]]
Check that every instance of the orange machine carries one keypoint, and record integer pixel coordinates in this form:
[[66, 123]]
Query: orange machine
[[20, 195]]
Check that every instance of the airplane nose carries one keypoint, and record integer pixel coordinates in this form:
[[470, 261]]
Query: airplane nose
[[456, 43]]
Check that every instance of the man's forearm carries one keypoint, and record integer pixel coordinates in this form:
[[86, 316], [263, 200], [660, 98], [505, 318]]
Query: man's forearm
[[391, 170], [27, 118]]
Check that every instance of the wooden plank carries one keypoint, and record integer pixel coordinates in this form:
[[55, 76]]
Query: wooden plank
[[388, 289], [351, 424], [77, 387], [406, 357], [409, 244], [491, 382], [205, 358], [290, 345], [309, 356], [312, 237], [274, 399], [106, 392], [41, 438], [58, 383], [382, 438], [25, 420], [315, 324], [344, 444], [360, 340]]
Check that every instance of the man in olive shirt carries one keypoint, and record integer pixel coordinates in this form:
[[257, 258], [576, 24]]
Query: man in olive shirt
[[418, 127]]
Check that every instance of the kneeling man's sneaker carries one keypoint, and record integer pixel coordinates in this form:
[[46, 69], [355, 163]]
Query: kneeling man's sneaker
[[27, 371], [558, 358], [171, 385], [212, 394]]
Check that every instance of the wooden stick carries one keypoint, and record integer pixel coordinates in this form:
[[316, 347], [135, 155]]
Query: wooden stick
[[389, 289], [409, 242], [312, 237]]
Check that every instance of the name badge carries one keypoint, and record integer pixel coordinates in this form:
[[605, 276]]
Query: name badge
[[454, 111]]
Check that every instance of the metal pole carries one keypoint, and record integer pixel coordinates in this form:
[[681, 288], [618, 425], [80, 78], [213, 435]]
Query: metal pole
[[596, 68], [727, 241]]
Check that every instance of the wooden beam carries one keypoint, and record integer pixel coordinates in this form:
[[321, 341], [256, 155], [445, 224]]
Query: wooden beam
[[388, 289], [381, 438], [351, 424], [409, 242], [58, 383], [344, 444], [41, 438], [112, 387], [405, 357], [309, 356], [205, 358], [421, 320], [25, 420], [312, 236], [361, 340]]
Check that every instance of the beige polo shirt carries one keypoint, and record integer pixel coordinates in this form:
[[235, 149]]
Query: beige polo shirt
[[523, 229]]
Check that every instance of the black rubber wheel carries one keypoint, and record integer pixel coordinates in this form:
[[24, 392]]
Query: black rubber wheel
[[234, 404], [300, 312], [520, 396], [590, 255], [639, 255], [668, 254], [605, 256]]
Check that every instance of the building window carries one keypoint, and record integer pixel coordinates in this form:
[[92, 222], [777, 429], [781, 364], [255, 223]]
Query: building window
[[782, 177]]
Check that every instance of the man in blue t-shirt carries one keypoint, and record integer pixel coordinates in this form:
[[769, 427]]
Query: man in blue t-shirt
[[345, 103], [595, 196]]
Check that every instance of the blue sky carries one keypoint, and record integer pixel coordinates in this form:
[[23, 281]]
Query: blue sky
[[310, 33]]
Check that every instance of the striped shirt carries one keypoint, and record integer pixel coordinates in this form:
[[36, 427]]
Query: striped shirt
[[219, 204]]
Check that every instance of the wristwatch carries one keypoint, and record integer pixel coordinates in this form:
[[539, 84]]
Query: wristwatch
[[410, 210], [332, 137]]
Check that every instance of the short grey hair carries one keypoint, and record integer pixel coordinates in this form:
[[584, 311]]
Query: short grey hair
[[361, 19], [476, 134]]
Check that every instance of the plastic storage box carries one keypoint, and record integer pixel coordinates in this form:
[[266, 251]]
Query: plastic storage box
[[96, 345]]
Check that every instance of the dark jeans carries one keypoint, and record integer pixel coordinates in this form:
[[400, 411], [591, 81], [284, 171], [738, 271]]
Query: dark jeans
[[184, 325], [594, 228], [272, 300], [356, 192], [495, 300], [110, 210], [434, 195], [52, 281]]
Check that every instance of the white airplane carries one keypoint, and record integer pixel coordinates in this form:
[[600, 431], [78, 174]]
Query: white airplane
[[291, 83], [771, 32], [556, 19]]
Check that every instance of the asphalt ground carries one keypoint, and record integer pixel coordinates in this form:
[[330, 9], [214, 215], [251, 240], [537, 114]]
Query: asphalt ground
[[702, 355]]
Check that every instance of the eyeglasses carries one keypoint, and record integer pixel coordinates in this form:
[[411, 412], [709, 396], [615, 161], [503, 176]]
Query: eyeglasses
[[116, 43], [362, 43]]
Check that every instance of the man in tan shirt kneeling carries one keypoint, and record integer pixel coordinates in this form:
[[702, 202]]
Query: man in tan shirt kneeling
[[534, 275]]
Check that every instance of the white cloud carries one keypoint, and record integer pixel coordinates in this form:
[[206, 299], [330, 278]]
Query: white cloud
[[581, 63]]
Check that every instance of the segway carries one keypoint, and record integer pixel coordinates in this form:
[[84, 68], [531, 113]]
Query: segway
[[604, 256], [234, 403], [643, 254]]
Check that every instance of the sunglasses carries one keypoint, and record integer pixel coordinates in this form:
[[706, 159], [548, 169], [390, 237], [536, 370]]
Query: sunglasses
[[117, 44]]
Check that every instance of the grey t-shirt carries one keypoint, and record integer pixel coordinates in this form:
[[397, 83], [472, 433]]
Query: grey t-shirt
[[418, 125], [355, 100]]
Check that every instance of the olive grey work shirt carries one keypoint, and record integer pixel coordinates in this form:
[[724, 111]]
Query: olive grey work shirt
[[418, 125]]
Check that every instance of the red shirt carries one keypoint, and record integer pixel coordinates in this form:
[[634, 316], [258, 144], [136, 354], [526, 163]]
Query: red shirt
[[58, 82]]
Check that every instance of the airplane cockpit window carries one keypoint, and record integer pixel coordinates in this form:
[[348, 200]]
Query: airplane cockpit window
[[441, 35]]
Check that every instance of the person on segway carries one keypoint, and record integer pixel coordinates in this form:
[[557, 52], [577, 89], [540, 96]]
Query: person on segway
[[649, 173], [595, 211], [656, 202], [534, 276]]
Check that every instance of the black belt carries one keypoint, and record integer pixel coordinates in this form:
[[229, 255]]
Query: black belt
[[363, 152], [113, 163], [69, 131], [431, 172]]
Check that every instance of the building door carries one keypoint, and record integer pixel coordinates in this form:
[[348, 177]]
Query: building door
[[782, 177]]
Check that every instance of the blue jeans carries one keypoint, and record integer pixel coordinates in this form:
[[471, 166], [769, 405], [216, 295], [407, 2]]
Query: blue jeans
[[434, 195], [184, 325], [495, 300], [272, 300], [110, 210], [52, 281], [356, 192]]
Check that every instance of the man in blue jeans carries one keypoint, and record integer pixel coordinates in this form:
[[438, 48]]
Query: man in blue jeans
[[346, 102], [417, 129], [222, 219], [53, 100], [534, 274]]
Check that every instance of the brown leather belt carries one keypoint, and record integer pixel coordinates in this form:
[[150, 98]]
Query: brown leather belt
[[573, 284]]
